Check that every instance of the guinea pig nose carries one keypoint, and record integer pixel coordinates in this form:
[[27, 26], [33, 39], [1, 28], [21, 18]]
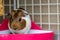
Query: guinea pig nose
[[19, 19]]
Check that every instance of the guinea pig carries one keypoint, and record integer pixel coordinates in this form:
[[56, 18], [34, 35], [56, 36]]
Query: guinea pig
[[20, 22]]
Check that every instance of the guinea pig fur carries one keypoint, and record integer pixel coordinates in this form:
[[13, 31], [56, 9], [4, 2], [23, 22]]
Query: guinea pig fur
[[19, 22]]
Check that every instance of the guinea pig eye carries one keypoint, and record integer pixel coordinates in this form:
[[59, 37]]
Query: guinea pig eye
[[19, 19]]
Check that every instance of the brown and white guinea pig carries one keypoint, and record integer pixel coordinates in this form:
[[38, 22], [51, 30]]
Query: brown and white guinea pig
[[19, 22]]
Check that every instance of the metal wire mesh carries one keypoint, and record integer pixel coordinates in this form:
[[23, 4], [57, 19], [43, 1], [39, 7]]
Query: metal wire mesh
[[46, 13]]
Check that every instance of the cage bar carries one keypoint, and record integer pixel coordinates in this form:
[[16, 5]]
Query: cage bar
[[33, 10], [58, 19], [14, 4], [49, 13], [25, 4], [9, 6], [4, 13], [18, 4], [40, 15]]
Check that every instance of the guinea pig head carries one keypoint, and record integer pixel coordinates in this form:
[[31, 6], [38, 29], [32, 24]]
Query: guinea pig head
[[17, 22]]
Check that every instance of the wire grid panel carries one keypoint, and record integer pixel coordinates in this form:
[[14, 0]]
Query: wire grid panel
[[46, 13]]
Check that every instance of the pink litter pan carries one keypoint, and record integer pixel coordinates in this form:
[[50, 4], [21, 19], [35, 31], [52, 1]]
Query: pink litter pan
[[36, 33]]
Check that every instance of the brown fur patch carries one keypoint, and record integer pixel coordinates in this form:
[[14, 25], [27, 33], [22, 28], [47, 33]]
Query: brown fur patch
[[16, 25]]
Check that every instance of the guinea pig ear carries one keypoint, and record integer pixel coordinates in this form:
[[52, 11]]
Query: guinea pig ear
[[22, 8], [25, 12], [8, 14], [13, 10]]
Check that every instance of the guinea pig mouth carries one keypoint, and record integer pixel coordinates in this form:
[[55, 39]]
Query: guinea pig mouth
[[15, 28]]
